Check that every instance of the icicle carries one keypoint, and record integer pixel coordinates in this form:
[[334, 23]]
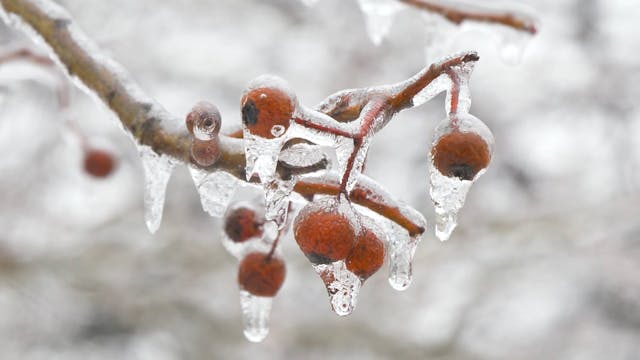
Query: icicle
[[379, 16], [157, 171], [216, 189], [255, 315], [402, 248], [511, 44], [343, 286], [448, 195], [277, 200], [261, 156]]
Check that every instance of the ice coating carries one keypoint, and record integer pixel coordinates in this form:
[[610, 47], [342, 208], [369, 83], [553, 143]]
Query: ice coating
[[157, 171], [461, 74], [379, 16], [255, 244], [342, 285], [276, 196], [255, 315], [215, 189], [449, 193], [401, 250], [302, 155], [438, 85], [261, 156]]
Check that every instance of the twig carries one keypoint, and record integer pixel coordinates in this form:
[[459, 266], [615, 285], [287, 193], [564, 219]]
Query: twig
[[143, 117], [457, 16]]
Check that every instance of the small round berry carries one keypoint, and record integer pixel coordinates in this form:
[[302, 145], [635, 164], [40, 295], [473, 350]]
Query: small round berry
[[461, 154], [205, 152], [98, 163], [267, 107], [261, 274], [204, 121], [242, 224], [367, 256], [324, 231]]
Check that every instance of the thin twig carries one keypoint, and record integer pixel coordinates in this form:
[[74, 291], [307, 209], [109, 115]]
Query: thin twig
[[457, 16]]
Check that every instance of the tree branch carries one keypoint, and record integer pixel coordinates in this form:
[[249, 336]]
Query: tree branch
[[457, 16], [147, 120]]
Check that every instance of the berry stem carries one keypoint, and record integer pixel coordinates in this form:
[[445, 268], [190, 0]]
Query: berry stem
[[454, 97], [513, 20]]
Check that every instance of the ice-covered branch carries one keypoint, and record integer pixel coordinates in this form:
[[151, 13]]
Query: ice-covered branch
[[458, 15], [145, 119]]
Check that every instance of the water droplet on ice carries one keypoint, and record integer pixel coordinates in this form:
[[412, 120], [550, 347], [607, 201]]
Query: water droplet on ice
[[255, 315], [216, 189], [277, 130], [379, 16], [343, 286], [157, 171]]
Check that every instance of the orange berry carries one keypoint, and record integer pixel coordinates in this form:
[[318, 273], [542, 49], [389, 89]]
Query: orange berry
[[205, 152], [324, 232], [461, 154], [266, 105], [260, 274], [367, 256], [242, 224], [98, 163]]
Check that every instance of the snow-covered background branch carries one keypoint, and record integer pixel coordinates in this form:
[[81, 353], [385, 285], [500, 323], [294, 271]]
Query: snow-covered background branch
[[543, 264]]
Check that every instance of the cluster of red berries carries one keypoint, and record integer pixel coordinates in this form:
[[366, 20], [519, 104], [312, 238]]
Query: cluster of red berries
[[330, 230], [260, 273], [204, 122]]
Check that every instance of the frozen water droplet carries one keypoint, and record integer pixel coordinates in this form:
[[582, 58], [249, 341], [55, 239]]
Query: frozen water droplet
[[343, 286], [277, 130], [448, 195], [402, 249], [216, 189], [255, 315], [157, 171], [303, 155], [379, 16], [512, 44]]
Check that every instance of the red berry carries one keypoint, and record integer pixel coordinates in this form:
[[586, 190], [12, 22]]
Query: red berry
[[268, 104], [261, 274], [324, 231], [98, 163], [242, 224], [461, 154], [367, 256], [205, 152], [204, 120]]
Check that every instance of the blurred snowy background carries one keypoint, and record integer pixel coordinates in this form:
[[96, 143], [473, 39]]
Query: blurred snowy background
[[544, 264]]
